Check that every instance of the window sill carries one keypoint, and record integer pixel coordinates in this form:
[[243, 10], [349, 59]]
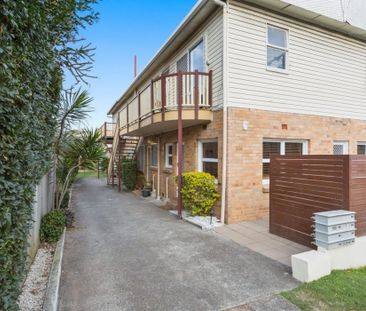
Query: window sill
[[273, 69], [265, 189], [154, 168]]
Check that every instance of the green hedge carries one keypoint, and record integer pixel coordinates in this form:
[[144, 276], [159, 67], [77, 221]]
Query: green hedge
[[33, 53], [129, 174], [52, 226], [29, 96], [199, 193]]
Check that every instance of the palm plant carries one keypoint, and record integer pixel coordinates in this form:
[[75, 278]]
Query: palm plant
[[83, 150], [74, 108]]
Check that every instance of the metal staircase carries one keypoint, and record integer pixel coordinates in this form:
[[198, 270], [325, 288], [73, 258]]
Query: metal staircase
[[124, 147]]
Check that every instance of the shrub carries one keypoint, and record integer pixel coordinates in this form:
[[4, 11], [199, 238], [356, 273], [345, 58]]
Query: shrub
[[129, 174], [199, 193], [52, 226]]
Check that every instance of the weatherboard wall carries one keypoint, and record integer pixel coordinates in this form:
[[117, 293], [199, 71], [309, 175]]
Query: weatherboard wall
[[326, 74]]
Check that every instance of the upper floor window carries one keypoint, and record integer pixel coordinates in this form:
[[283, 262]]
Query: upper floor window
[[277, 48], [182, 63], [197, 57]]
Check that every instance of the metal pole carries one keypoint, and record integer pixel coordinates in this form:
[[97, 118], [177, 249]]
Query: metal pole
[[119, 174], [113, 162], [98, 168], [180, 143]]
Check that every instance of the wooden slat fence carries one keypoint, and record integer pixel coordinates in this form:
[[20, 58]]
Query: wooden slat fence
[[303, 185]]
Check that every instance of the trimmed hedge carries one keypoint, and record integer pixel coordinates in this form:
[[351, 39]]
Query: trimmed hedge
[[199, 193], [52, 226], [129, 174]]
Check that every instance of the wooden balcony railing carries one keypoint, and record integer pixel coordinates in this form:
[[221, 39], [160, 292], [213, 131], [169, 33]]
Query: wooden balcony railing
[[107, 129], [190, 90]]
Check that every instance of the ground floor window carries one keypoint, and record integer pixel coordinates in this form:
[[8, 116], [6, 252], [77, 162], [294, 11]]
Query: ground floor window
[[281, 147], [208, 157], [154, 155], [361, 148], [168, 155], [141, 158], [340, 147]]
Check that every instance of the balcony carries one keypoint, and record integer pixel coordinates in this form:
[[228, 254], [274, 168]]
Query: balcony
[[107, 130], [155, 109]]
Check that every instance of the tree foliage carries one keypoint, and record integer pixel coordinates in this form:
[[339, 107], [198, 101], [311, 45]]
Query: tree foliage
[[39, 40], [83, 149]]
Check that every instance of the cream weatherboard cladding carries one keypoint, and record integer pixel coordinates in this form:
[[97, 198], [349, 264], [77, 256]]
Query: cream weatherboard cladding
[[326, 74], [212, 33]]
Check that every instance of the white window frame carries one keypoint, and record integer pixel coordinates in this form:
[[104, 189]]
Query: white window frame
[[201, 40], [282, 142], [343, 143], [286, 50], [188, 53], [168, 155], [200, 153], [361, 143], [151, 155]]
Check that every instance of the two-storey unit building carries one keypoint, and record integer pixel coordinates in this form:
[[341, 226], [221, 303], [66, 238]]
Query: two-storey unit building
[[244, 80]]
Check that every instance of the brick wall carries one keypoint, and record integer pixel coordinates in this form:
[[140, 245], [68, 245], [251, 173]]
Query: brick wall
[[191, 137], [246, 198]]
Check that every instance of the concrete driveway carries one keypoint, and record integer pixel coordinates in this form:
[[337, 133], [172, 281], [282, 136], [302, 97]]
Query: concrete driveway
[[127, 254]]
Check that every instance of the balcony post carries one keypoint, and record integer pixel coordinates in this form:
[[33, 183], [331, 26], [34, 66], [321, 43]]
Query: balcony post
[[163, 96], [105, 130], [196, 94], [180, 143], [210, 88], [113, 160]]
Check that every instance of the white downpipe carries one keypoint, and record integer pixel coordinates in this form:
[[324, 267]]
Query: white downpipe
[[224, 110]]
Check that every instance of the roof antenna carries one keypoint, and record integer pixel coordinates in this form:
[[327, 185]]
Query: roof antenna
[[135, 66]]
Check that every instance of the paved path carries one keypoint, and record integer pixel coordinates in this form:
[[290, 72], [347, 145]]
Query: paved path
[[127, 254]]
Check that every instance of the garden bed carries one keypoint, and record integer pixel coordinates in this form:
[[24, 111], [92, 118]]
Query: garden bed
[[203, 222], [35, 285]]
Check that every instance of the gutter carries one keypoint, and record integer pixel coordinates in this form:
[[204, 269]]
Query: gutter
[[194, 11]]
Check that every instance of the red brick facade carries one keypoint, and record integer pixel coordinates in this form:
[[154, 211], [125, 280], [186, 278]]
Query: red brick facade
[[246, 198]]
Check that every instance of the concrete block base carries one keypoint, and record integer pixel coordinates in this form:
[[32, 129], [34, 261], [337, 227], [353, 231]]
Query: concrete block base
[[313, 265], [310, 266]]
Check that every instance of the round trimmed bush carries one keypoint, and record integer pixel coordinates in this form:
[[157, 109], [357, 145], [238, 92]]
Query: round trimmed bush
[[199, 193], [52, 226]]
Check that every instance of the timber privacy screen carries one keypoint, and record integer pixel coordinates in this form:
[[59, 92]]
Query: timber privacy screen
[[303, 185]]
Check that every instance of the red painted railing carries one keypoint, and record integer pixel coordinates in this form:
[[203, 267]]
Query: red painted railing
[[191, 89]]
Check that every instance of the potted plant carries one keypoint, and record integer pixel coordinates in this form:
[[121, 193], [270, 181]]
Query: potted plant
[[146, 191]]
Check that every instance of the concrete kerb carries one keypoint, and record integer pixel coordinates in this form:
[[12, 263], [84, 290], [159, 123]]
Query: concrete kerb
[[51, 299]]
